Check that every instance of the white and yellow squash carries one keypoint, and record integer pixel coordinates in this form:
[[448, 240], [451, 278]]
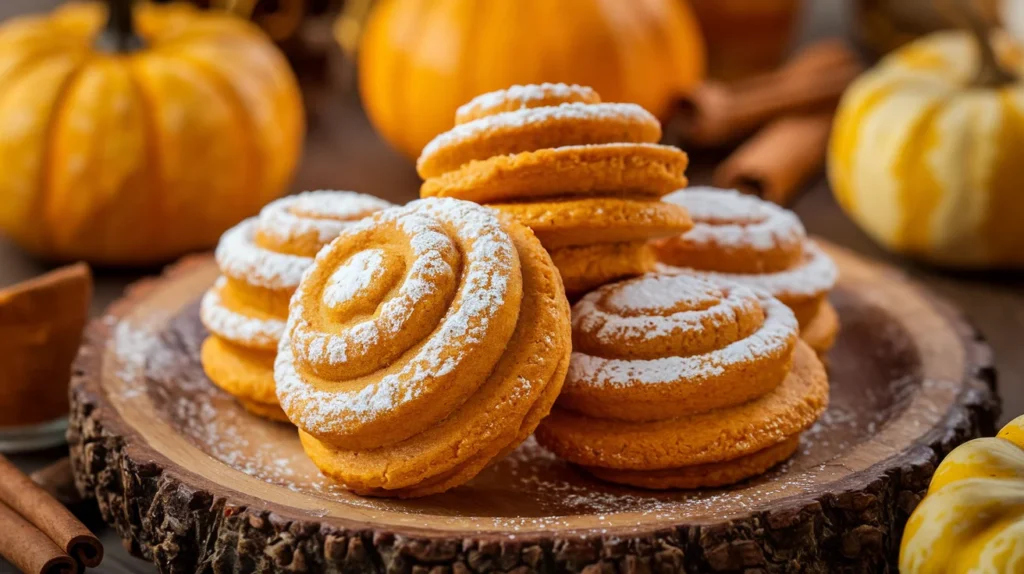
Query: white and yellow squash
[[927, 150], [972, 519]]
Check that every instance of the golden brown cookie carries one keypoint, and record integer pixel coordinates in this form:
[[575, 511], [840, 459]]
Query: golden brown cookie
[[523, 97], [245, 373], [422, 344], [820, 332], [636, 170], [532, 129], [262, 260], [568, 222], [710, 475], [585, 267], [672, 373], [750, 241]]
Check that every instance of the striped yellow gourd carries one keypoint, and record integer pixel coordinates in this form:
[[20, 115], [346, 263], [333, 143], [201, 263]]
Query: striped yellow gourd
[[928, 160], [972, 519]]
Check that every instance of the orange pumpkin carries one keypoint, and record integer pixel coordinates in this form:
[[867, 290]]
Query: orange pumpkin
[[420, 59], [134, 137]]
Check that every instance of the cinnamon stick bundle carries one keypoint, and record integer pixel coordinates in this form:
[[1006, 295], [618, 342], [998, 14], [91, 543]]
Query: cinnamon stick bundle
[[717, 113], [56, 525], [775, 163]]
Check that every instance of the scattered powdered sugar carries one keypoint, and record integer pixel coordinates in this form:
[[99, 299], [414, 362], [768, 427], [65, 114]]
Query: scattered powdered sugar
[[728, 218], [529, 116], [530, 490], [239, 257], [775, 333], [817, 274], [523, 95], [487, 266], [324, 212], [354, 277], [237, 327]]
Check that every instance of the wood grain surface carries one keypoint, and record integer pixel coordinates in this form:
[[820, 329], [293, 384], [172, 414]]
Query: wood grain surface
[[343, 152]]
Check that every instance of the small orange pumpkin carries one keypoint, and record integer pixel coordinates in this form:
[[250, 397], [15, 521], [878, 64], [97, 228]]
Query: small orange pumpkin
[[135, 141], [420, 59]]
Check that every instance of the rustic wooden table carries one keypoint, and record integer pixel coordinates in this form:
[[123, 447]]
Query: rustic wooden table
[[343, 152]]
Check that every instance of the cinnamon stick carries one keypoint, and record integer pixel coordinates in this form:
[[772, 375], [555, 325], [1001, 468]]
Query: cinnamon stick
[[26, 498], [717, 113], [29, 549], [778, 161]]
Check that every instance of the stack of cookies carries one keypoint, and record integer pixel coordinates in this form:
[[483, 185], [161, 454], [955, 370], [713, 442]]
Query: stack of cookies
[[681, 381], [585, 176], [755, 243], [261, 261]]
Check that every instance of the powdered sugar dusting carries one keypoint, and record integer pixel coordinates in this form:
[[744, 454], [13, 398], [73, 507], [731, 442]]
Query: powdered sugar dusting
[[656, 307], [426, 275], [777, 332], [239, 257], [354, 277], [486, 270], [237, 327], [523, 95], [323, 212], [728, 218], [528, 116], [817, 274]]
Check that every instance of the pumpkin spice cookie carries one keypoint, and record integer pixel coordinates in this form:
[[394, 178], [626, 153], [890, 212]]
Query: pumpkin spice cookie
[[578, 171], [590, 221], [754, 242], [581, 266], [682, 381], [423, 343], [261, 261], [522, 97]]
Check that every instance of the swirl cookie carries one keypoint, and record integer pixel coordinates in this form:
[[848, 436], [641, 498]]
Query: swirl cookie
[[261, 261], [683, 381], [754, 242], [423, 343], [578, 171]]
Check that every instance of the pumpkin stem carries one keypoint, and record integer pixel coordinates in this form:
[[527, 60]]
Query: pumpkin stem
[[991, 74], [119, 35]]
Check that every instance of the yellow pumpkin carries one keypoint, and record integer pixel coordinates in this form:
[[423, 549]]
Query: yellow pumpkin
[[134, 137], [420, 59], [972, 519], [927, 151]]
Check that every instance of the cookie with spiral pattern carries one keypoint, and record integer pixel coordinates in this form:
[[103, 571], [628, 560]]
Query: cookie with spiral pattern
[[261, 261], [680, 381], [754, 242], [423, 343]]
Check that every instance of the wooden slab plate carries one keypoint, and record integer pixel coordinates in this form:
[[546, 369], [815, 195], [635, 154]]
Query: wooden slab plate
[[195, 484]]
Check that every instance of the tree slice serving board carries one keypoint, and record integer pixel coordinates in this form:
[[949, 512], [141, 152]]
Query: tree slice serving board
[[194, 483]]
